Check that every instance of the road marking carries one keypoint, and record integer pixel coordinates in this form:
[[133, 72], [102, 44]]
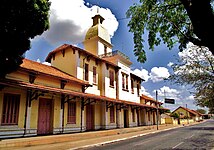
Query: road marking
[[177, 145], [189, 137]]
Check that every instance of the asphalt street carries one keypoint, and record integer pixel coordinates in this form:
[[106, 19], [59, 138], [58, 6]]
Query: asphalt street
[[196, 137]]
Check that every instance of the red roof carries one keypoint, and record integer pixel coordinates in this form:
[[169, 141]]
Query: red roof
[[186, 109], [149, 98], [197, 112], [32, 66]]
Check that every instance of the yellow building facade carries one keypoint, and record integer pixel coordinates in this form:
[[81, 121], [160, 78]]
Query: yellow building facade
[[83, 89], [187, 115]]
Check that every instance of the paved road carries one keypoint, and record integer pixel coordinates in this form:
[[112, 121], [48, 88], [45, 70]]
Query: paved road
[[197, 137]]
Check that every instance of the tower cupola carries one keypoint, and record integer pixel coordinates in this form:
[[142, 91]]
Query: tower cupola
[[97, 38]]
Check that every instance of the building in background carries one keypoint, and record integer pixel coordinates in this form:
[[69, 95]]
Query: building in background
[[188, 114]]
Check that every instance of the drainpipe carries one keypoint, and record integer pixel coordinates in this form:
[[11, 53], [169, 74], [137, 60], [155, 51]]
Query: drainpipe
[[82, 107], [63, 110], [26, 110], [83, 61]]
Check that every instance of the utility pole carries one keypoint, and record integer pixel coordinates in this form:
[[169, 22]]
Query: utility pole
[[157, 107], [165, 97], [187, 115]]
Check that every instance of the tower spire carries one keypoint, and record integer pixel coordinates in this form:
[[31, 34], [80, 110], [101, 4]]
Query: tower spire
[[97, 9], [97, 19]]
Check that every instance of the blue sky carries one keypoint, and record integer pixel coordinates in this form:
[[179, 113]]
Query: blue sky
[[68, 23]]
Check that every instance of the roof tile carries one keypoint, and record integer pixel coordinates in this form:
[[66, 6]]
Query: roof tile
[[48, 70]]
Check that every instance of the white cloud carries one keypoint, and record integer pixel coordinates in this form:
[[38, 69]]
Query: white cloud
[[38, 60], [158, 74], [192, 54], [191, 98], [144, 92], [143, 73], [46, 63], [70, 20], [170, 64], [168, 92], [181, 97]]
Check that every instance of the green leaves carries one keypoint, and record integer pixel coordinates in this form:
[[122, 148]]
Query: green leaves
[[21, 21], [166, 21]]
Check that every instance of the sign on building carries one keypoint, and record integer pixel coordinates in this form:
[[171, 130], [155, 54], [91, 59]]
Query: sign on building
[[169, 100]]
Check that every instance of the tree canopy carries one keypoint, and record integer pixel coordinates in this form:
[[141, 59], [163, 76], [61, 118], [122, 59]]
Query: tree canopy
[[202, 111], [21, 20], [171, 22], [198, 71]]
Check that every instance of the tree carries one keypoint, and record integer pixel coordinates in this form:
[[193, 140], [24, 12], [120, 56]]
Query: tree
[[171, 22], [202, 111], [21, 20], [198, 71], [175, 115]]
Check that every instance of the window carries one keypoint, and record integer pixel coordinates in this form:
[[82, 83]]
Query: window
[[71, 112], [112, 119], [138, 90], [132, 86], [10, 109], [125, 81], [111, 76], [133, 115], [94, 75], [105, 50], [86, 72]]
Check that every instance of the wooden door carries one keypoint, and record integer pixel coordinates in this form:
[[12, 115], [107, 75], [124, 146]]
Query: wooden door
[[154, 118], [138, 117], [117, 118], [45, 116], [126, 119], [89, 117]]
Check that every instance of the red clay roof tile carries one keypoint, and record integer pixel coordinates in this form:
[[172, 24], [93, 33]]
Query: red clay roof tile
[[48, 70]]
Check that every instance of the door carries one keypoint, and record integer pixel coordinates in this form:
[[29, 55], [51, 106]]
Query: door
[[45, 116], [138, 117], [89, 117], [117, 118], [154, 118], [126, 118]]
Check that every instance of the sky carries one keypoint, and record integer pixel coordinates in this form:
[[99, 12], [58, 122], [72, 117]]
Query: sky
[[69, 21]]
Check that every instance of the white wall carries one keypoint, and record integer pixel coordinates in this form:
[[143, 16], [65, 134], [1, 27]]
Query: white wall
[[126, 95], [101, 48]]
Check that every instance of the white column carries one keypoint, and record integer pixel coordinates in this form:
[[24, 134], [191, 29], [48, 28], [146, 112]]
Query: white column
[[83, 120], [106, 119], [28, 118], [60, 119], [118, 118]]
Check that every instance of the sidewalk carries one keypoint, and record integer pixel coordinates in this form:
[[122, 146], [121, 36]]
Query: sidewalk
[[80, 140]]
